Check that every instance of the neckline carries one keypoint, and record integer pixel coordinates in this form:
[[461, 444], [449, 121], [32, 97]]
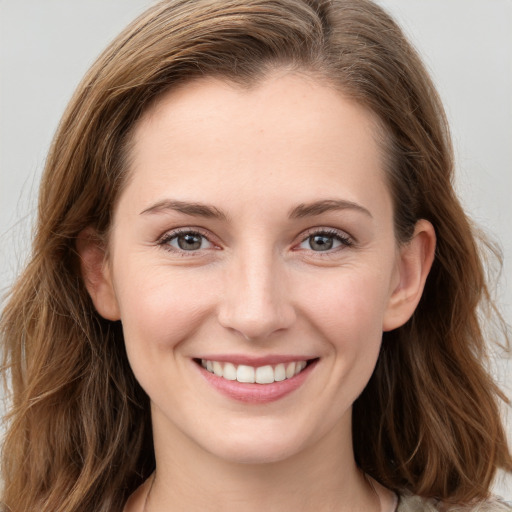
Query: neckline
[[378, 490], [375, 488]]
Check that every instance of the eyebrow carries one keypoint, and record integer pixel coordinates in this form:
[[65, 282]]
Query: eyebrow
[[211, 212], [326, 205], [188, 208]]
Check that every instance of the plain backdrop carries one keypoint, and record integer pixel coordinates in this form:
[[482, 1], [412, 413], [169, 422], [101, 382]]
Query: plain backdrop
[[47, 45]]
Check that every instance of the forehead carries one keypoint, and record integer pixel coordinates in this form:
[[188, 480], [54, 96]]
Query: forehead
[[286, 134], [283, 95]]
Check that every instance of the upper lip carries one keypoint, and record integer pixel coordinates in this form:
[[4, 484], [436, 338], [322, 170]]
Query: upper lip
[[255, 361]]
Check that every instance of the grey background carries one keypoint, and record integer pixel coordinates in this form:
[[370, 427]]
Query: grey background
[[47, 45]]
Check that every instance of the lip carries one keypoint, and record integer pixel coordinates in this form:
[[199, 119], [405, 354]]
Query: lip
[[256, 393]]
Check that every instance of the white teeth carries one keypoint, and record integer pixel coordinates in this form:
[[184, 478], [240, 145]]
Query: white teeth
[[290, 370], [299, 367], [229, 372], [248, 374], [279, 373], [264, 375], [245, 373], [217, 368]]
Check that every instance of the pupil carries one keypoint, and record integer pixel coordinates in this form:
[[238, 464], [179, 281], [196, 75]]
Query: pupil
[[189, 242], [321, 242]]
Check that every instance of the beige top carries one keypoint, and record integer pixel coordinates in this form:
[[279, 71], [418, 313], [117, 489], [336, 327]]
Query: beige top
[[406, 503], [416, 504]]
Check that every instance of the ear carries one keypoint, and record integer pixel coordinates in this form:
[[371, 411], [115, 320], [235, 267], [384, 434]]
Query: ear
[[96, 274], [415, 260]]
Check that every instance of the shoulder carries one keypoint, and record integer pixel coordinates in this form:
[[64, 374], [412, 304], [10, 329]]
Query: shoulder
[[409, 503]]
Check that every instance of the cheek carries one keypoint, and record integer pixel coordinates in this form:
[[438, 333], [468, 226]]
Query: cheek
[[348, 304], [347, 312], [344, 312], [160, 308]]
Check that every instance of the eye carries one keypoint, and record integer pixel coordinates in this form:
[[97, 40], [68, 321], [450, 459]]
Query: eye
[[186, 241], [323, 241]]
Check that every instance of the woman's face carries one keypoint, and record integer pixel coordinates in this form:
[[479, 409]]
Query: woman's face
[[254, 237]]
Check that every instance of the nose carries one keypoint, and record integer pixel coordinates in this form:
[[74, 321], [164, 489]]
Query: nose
[[256, 302]]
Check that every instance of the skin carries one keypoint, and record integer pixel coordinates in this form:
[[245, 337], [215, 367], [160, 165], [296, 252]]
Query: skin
[[256, 287]]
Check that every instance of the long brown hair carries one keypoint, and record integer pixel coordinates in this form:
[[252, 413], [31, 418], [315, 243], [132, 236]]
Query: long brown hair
[[79, 435]]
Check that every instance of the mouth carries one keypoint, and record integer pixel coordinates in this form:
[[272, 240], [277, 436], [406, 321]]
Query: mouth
[[266, 381], [266, 374]]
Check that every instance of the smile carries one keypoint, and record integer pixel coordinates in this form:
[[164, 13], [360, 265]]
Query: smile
[[256, 381], [266, 374]]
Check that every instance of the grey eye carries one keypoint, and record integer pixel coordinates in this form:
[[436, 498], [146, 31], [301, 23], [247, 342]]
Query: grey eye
[[321, 242], [189, 242]]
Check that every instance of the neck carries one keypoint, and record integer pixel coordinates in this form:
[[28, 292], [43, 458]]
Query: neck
[[322, 477]]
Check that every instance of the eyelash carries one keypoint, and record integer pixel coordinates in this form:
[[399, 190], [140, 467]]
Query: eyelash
[[340, 236], [165, 240], [344, 239]]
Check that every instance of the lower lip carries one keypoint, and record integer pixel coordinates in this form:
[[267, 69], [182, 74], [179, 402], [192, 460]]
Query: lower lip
[[256, 393]]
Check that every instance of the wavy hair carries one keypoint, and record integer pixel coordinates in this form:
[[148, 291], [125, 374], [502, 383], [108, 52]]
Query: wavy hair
[[79, 436]]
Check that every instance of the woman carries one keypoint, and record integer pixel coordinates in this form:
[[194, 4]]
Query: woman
[[252, 284]]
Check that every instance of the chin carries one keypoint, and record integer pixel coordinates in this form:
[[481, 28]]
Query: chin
[[256, 447], [255, 454]]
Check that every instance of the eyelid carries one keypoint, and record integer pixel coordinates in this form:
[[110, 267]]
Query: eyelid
[[346, 239], [163, 240]]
